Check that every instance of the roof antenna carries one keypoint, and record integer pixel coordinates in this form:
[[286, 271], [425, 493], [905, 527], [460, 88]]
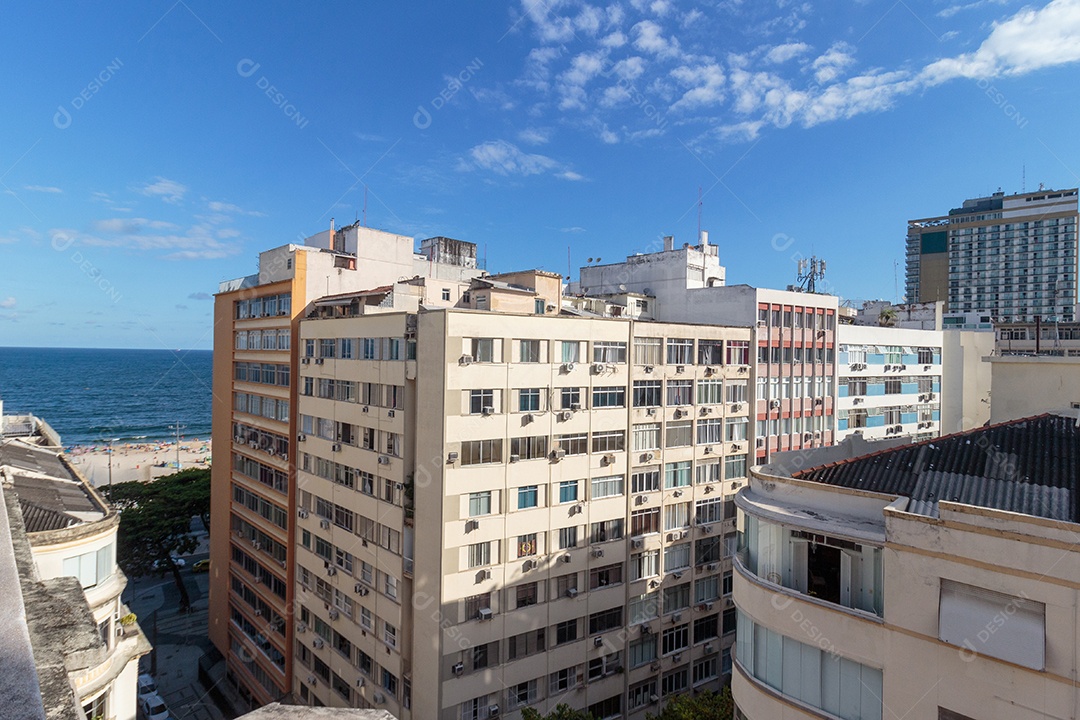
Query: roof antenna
[[365, 204], [699, 213], [1023, 178]]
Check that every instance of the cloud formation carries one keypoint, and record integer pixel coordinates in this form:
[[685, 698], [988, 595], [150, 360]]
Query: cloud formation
[[505, 158], [167, 190]]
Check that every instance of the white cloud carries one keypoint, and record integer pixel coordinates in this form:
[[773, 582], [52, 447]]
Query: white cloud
[[692, 18], [7, 303], [831, 64], [130, 226], [650, 39], [505, 158], [224, 207], [169, 191], [705, 83], [955, 9], [785, 52], [42, 188], [535, 136], [571, 84]]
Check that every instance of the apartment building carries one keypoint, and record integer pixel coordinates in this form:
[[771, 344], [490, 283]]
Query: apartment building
[[253, 496], [890, 382], [934, 580], [792, 346], [506, 510], [68, 647], [1012, 258]]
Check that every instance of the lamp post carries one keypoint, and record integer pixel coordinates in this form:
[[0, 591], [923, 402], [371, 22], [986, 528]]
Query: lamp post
[[177, 427], [110, 442]]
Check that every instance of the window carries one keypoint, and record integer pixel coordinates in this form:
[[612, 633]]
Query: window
[[564, 584], [605, 620], [539, 306], [530, 643], [480, 399], [644, 607], [563, 680], [675, 639], [529, 448], [480, 503], [893, 386], [528, 497], [530, 351], [521, 694], [710, 352], [926, 356], [679, 434], [647, 480], [607, 530], [647, 393], [576, 444], [479, 554], [526, 545], [967, 612], [680, 392], [676, 516], [609, 441], [738, 391], [570, 398], [645, 521], [711, 392], [566, 631], [479, 452], [609, 352], [735, 467], [738, 352], [676, 557], [446, 294], [680, 351], [708, 550], [647, 351], [605, 576], [676, 475], [646, 436], [708, 511], [705, 589], [736, 428], [609, 486], [568, 491], [529, 400], [673, 682], [645, 565], [710, 431], [611, 396], [568, 538], [571, 351], [91, 568], [708, 472], [483, 350], [642, 651]]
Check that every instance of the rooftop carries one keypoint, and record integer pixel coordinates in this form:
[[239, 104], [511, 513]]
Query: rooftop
[[51, 495], [1029, 466]]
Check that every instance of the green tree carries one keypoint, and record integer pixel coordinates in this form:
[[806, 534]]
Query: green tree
[[887, 317], [705, 706], [155, 522], [561, 712]]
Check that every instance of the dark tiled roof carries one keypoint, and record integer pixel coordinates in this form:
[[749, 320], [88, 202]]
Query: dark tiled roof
[[1029, 466], [40, 519]]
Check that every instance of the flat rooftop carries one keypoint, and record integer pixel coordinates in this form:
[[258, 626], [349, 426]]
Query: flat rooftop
[[1029, 466], [51, 495]]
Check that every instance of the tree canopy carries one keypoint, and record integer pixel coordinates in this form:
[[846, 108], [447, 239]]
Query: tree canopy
[[561, 712], [155, 521], [708, 705]]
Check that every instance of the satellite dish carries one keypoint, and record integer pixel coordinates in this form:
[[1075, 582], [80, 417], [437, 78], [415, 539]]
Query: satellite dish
[[622, 288], [597, 259], [590, 259]]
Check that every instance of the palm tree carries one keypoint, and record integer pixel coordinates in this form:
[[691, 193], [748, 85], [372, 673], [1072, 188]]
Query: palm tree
[[887, 317]]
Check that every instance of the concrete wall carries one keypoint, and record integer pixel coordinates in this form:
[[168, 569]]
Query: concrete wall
[[965, 380], [1023, 386]]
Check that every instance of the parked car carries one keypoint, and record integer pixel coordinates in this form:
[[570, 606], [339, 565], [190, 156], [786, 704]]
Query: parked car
[[201, 566], [147, 686], [158, 565], [153, 708]]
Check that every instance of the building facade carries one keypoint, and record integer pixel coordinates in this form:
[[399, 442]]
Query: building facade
[[1012, 258], [890, 382], [933, 580], [500, 510]]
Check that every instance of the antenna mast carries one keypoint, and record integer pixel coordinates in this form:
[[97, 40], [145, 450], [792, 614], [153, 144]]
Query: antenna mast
[[699, 213], [810, 271], [365, 204]]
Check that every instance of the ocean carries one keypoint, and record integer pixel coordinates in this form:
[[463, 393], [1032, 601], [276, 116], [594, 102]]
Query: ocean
[[90, 396]]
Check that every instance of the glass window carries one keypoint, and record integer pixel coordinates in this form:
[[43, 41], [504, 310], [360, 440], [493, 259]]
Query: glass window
[[677, 474], [710, 352], [529, 400], [603, 487], [680, 351], [609, 441], [647, 393], [711, 392], [679, 434], [610, 396], [645, 480], [570, 398], [571, 351], [647, 351], [646, 436], [680, 392], [528, 497], [568, 491], [530, 351], [480, 503], [609, 352]]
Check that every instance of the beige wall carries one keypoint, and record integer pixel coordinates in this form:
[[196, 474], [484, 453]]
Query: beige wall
[[1024, 386], [965, 380]]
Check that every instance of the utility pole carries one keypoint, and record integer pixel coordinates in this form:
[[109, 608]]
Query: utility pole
[[177, 427], [110, 461]]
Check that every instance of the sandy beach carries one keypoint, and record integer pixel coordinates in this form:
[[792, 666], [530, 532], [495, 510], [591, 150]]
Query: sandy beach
[[137, 461]]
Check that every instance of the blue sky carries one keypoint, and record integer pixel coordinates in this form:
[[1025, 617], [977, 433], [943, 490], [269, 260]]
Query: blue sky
[[151, 149]]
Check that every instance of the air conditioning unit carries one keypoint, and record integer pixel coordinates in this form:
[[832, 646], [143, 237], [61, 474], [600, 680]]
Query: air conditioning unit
[[378, 698], [654, 698], [565, 415], [608, 459], [458, 668], [642, 499], [678, 413], [680, 368], [677, 575], [575, 407], [312, 680], [305, 361], [637, 543], [708, 489], [598, 641], [451, 457], [483, 575], [649, 368], [258, 613], [484, 614], [677, 657], [493, 711], [301, 627], [565, 558], [331, 571], [760, 442], [359, 682], [529, 565], [655, 666], [706, 411], [707, 450], [736, 407], [647, 457], [365, 409], [774, 404], [302, 513], [487, 410], [571, 592], [646, 629], [466, 360], [336, 447], [384, 459], [711, 567], [597, 368], [471, 525], [710, 371], [318, 643], [708, 647], [360, 589], [324, 524], [389, 413], [558, 454], [598, 552], [567, 367], [333, 614], [319, 361]]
